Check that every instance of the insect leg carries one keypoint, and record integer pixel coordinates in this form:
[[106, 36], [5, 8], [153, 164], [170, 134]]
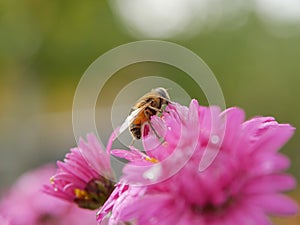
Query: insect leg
[[132, 142], [156, 134], [159, 111]]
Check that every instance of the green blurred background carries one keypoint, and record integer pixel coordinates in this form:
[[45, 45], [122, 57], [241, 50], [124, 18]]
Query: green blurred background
[[45, 47]]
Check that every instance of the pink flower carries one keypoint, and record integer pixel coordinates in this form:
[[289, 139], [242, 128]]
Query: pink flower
[[212, 168], [85, 177], [25, 203], [4, 221], [116, 198]]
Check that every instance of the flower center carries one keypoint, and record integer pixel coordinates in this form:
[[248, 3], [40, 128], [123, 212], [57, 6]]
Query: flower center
[[47, 218], [212, 209], [94, 194]]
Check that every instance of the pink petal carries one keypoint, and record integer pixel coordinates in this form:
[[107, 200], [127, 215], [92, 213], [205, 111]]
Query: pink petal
[[133, 155], [246, 215], [159, 210], [275, 204], [273, 138], [233, 118], [270, 183], [267, 163]]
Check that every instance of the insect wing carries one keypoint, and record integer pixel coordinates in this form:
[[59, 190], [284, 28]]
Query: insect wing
[[129, 120]]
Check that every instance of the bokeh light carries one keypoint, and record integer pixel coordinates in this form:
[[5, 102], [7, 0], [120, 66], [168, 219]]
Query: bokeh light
[[177, 18], [281, 18]]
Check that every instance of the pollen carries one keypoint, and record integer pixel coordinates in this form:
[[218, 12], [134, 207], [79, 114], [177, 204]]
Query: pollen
[[81, 194], [153, 160], [52, 180]]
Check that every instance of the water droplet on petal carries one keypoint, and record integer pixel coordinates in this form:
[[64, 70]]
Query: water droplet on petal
[[215, 139]]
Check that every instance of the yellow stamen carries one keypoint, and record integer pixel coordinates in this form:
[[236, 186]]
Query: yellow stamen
[[153, 160], [165, 144], [81, 194]]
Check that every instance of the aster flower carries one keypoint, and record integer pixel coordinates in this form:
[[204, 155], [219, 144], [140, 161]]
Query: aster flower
[[212, 168], [85, 177], [25, 203], [116, 198], [4, 221]]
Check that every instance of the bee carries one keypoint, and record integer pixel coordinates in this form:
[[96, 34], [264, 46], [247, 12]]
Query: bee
[[152, 103]]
